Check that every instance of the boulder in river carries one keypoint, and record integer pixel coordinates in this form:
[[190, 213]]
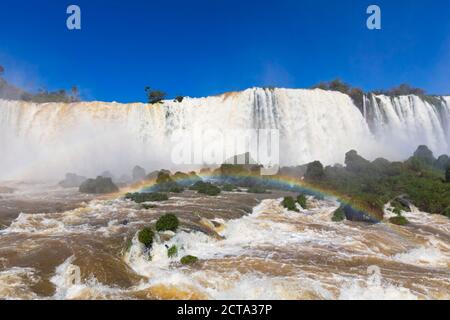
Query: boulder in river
[[353, 214], [99, 185]]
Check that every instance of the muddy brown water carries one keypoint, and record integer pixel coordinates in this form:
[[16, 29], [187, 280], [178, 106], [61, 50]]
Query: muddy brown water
[[255, 249]]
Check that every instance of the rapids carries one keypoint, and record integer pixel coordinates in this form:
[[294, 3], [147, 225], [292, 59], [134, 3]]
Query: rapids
[[264, 252]]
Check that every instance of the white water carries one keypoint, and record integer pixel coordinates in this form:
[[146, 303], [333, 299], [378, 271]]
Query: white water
[[48, 140]]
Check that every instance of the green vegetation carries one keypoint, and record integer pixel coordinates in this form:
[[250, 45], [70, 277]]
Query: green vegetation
[[402, 90], [447, 175], [289, 203], [163, 177], [100, 185], [399, 220], [167, 222], [314, 171], [228, 187], [11, 92], [256, 189], [154, 96], [206, 188], [139, 197], [145, 236], [356, 94], [338, 215], [172, 251], [148, 206], [188, 260], [372, 184], [301, 199], [399, 206]]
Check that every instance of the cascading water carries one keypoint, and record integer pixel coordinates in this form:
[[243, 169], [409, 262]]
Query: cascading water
[[48, 140], [402, 123]]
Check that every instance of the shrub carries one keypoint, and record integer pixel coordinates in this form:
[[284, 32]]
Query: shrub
[[144, 197], [163, 177], [167, 222], [301, 199], [206, 188], [145, 236], [197, 186], [155, 96], [176, 188], [99, 185], [399, 220], [446, 212], [314, 171], [172, 251], [257, 189], [289, 203], [228, 187], [338, 215], [187, 260]]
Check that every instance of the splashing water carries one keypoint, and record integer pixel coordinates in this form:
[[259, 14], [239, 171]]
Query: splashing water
[[88, 137]]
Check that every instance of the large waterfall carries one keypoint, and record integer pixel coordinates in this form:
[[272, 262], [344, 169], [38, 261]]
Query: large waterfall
[[47, 140]]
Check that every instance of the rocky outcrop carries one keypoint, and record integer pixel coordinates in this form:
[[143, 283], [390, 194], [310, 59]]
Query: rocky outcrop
[[353, 214], [100, 185]]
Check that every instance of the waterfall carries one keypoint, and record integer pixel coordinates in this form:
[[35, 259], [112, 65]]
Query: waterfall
[[48, 140]]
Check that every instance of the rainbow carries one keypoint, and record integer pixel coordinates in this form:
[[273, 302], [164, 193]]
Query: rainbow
[[278, 182]]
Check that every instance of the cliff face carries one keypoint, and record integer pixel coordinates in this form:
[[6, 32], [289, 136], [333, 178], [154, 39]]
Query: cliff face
[[90, 137]]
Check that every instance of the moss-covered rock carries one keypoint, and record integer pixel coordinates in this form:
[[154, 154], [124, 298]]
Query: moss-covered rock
[[167, 222], [289, 203], [172, 251], [301, 199], [188, 260], [399, 220], [145, 236], [140, 197], [338, 215]]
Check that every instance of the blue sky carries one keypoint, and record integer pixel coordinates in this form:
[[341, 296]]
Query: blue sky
[[204, 47]]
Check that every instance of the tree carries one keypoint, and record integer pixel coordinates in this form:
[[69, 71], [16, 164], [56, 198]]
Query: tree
[[314, 171], [424, 154], [447, 174], [355, 163], [155, 96], [179, 99], [405, 89], [339, 85]]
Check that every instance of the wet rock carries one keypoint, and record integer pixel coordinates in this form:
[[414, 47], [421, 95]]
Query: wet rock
[[166, 235], [72, 180], [353, 214]]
